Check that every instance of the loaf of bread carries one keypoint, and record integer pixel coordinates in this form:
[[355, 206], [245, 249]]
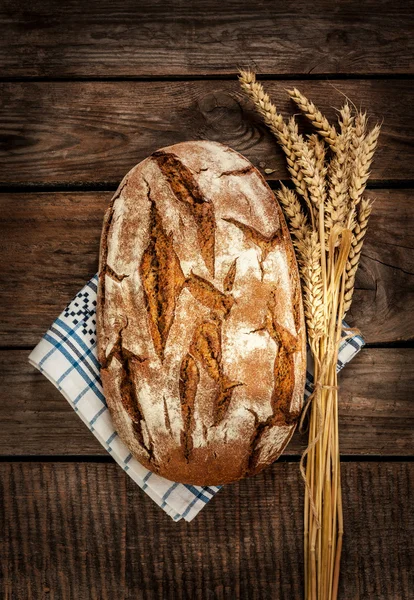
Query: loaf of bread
[[201, 335]]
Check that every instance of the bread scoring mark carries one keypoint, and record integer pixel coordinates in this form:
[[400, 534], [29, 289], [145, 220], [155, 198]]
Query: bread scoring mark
[[243, 171], [111, 273], [167, 417], [119, 352], [188, 384], [129, 397], [283, 388], [223, 398], [230, 277], [284, 372], [206, 349], [162, 280], [206, 293], [188, 193], [265, 243]]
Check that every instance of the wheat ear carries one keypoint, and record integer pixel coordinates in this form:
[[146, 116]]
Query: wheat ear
[[360, 229], [326, 130], [338, 174], [261, 100], [293, 212], [319, 149], [309, 259], [314, 176], [359, 132], [291, 143], [363, 159], [287, 135]]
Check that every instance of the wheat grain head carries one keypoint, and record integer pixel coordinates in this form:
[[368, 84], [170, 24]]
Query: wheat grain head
[[326, 130], [361, 223]]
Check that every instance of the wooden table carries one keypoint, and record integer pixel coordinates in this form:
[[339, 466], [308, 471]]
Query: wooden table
[[88, 89]]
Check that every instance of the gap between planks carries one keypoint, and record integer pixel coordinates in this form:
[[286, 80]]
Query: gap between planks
[[213, 77], [107, 459], [112, 186]]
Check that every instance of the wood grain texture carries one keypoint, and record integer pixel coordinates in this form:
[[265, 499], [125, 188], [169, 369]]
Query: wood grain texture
[[64, 531], [383, 303], [376, 409], [86, 531], [129, 38], [49, 243], [94, 132]]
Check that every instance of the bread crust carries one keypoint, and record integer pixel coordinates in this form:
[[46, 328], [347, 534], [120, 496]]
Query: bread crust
[[201, 334]]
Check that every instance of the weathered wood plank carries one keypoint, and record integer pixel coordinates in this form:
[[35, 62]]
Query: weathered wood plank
[[376, 409], [93, 132], [383, 304], [81, 531], [50, 250], [49, 245], [64, 531], [129, 38]]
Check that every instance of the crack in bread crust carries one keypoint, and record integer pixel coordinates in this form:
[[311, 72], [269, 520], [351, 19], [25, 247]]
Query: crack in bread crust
[[265, 243], [243, 171], [111, 273], [162, 280], [283, 388], [188, 193], [206, 349], [167, 417], [129, 397], [230, 277], [188, 384], [206, 293]]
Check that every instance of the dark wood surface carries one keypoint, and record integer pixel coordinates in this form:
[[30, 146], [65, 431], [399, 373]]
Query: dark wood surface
[[72, 133], [84, 531], [129, 38], [87, 89]]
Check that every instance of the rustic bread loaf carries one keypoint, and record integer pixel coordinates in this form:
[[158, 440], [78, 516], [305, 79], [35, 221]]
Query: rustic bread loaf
[[201, 336]]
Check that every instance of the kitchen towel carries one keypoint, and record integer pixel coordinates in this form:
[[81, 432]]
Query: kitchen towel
[[67, 356]]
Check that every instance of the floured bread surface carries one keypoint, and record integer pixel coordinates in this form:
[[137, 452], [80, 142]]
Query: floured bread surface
[[201, 336]]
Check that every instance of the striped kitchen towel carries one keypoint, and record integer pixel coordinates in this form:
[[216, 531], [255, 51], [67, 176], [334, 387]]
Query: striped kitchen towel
[[67, 356]]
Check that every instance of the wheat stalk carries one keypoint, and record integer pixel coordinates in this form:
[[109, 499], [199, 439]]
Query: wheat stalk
[[328, 242]]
